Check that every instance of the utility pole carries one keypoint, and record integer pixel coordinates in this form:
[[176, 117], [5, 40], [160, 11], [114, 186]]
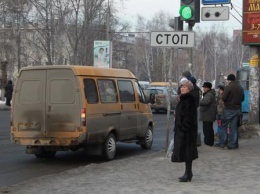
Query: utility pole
[[254, 87], [18, 15], [250, 31], [169, 101], [18, 46], [108, 22]]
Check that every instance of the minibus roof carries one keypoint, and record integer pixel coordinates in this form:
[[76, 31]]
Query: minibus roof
[[87, 70]]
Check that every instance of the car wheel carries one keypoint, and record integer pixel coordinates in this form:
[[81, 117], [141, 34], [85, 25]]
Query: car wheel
[[109, 147], [148, 139], [46, 154]]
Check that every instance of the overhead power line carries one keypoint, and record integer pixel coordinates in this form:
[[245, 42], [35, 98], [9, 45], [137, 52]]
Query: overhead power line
[[236, 18], [237, 4], [232, 7]]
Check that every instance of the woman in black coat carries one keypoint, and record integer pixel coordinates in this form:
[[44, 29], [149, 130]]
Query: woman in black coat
[[8, 92], [185, 130]]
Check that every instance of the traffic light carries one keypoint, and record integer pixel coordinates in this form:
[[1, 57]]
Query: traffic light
[[190, 10]]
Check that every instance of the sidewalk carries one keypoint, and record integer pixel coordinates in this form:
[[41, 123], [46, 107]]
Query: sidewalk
[[215, 171], [3, 106]]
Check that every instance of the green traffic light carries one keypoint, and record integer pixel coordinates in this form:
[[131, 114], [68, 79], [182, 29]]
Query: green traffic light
[[186, 12]]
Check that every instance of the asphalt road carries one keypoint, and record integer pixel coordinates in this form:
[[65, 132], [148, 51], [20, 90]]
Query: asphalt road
[[17, 166]]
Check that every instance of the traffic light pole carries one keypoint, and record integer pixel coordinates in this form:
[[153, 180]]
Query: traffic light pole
[[169, 102], [190, 12], [190, 50]]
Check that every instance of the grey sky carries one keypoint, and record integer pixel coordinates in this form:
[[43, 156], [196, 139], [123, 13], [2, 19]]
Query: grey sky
[[147, 8]]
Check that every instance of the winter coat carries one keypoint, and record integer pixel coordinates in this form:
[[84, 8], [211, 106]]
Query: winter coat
[[233, 96], [208, 106], [185, 130], [9, 89]]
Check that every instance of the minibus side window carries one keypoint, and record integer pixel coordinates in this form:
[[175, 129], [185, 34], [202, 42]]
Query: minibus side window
[[107, 91], [126, 91], [90, 90], [140, 93]]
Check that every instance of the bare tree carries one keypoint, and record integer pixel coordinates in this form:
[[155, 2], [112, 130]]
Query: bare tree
[[155, 61]]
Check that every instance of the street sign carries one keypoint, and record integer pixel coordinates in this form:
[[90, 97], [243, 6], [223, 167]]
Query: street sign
[[215, 13], [214, 2], [181, 39]]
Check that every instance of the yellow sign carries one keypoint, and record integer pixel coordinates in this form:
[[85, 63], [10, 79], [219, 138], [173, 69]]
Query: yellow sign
[[254, 61]]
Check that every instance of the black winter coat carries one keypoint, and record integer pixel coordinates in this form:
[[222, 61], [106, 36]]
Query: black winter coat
[[9, 90], [185, 130]]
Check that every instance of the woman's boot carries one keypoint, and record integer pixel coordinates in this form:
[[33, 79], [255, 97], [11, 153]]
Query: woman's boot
[[188, 175], [183, 175]]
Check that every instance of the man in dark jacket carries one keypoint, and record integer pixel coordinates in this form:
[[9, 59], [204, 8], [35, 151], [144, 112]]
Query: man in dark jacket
[[8, 92], [233, 97], [208, 112]]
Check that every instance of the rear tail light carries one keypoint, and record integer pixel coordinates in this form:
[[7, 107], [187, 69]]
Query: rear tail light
[[83, 117]]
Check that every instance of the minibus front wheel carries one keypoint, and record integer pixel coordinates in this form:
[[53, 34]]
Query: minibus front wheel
[[109, 147]]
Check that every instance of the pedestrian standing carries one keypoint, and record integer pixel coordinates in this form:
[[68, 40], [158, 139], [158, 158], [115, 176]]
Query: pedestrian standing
[[196, 90], [208, 112], [185, 130], [186, 74], [8, 92], [233, 97], [220, 107]]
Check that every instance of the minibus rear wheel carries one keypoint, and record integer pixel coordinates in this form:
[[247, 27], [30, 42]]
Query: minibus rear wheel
[[109, 147]]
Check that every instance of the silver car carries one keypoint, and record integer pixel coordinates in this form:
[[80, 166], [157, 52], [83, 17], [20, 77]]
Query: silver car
[[157, 96]]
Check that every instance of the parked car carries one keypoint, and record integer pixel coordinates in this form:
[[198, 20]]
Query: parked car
[[157, 96]]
